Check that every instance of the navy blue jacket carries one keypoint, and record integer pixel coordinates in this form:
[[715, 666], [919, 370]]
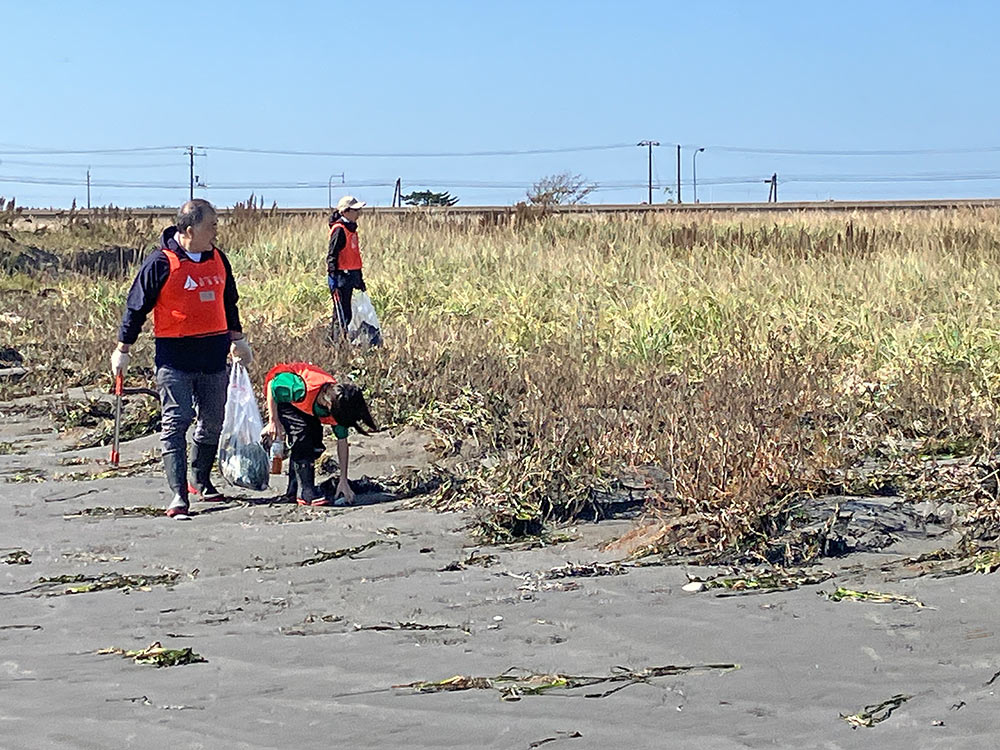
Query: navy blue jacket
[[189, 353]]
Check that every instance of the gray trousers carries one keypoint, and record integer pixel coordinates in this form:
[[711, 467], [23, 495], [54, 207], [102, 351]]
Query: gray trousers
[[183, 396]]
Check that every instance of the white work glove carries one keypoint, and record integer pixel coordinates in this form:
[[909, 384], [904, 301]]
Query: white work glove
[[119, 362], [239, 350]]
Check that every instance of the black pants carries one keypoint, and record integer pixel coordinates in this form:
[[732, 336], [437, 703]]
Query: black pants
[[342, 286], [342, 306], [303, 433]]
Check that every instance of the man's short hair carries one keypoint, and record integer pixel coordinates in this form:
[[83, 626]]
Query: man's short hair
[[192, 213]]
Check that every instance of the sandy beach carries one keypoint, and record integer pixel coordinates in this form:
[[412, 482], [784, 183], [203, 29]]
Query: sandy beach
[[307, 655]]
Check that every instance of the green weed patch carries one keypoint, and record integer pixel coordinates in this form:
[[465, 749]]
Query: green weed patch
[[876, 713], [409, 626], [85, 584], [103, 511], [321, 556], [944, 563], [25, 476], [133, 469], [475, 558], [778, 580], [516, 683], [585, 570], [18, 557], [158, 656], [874, 597]]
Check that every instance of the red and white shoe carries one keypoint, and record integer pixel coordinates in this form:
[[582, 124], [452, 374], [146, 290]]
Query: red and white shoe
[[208, 495], [179, 510], [319, 502]]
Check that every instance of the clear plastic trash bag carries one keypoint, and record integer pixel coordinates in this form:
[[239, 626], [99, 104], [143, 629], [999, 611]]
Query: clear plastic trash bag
[[364, 327], [242, 459]]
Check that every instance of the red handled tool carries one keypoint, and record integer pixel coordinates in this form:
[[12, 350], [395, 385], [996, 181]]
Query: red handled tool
[[119, 382]]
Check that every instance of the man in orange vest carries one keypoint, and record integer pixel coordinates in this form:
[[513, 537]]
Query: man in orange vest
[[301, 398], [343, 260], [189, 288]]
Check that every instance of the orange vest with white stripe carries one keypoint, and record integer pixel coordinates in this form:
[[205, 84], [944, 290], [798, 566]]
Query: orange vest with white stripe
[[191, 300], [314, 377], [350, 254]]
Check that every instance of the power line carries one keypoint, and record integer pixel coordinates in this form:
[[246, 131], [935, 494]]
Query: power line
[[485, 185], [12, 150], [857, 179], [416, 154], [54, 152], [856, 152], [33, 151], [68, 182], [81, 165]]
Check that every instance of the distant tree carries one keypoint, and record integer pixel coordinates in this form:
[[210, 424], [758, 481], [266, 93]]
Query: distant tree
[[428, 198], [560, 189]]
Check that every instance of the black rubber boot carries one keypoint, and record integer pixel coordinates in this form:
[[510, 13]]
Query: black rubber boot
[[175, 467], [202, 459], [305, 475], [292, 492]]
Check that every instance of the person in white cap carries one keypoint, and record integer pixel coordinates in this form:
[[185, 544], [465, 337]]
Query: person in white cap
[[343, 261]]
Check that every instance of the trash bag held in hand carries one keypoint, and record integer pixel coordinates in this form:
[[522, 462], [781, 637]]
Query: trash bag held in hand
[[242, 459], [364, 327]]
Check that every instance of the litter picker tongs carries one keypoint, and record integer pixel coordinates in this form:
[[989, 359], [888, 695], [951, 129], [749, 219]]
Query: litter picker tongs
[[119, 383], [119, 391]]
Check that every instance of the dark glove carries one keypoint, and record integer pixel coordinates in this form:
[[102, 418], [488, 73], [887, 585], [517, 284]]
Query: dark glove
[[361, 283]]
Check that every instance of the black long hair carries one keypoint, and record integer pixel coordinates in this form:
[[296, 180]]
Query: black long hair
[[350, 409]]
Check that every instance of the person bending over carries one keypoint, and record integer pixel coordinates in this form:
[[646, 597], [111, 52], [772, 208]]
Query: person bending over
[[301, 398]]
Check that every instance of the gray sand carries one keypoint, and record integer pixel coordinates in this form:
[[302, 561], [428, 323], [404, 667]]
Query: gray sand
[[279, 675]]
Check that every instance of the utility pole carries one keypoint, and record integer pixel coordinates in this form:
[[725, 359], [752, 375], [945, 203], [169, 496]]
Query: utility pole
[[191, 180], [694, 171], [88, 190], [678, 173], [772, 193], [649, 145], [397, 193]]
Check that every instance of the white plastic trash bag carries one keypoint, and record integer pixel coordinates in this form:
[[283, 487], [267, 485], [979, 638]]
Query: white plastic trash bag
[[364, 327], [242, 459]]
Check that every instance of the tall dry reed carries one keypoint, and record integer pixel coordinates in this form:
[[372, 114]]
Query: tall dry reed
[[746, 359]]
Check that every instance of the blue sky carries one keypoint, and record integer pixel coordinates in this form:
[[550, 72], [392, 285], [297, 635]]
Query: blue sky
[[463, 77]]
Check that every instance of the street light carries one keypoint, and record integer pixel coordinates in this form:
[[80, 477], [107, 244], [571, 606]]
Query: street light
[[329, 188], [649, 145], [694, 171]]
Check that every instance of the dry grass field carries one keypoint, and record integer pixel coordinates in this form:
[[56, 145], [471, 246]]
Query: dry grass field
[[722, 368]]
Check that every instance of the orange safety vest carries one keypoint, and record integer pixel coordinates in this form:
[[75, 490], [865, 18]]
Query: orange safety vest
[[191, 300], [350, 254], [314, 378]]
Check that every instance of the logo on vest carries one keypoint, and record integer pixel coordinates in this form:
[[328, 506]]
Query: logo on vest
[[190, 284]]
